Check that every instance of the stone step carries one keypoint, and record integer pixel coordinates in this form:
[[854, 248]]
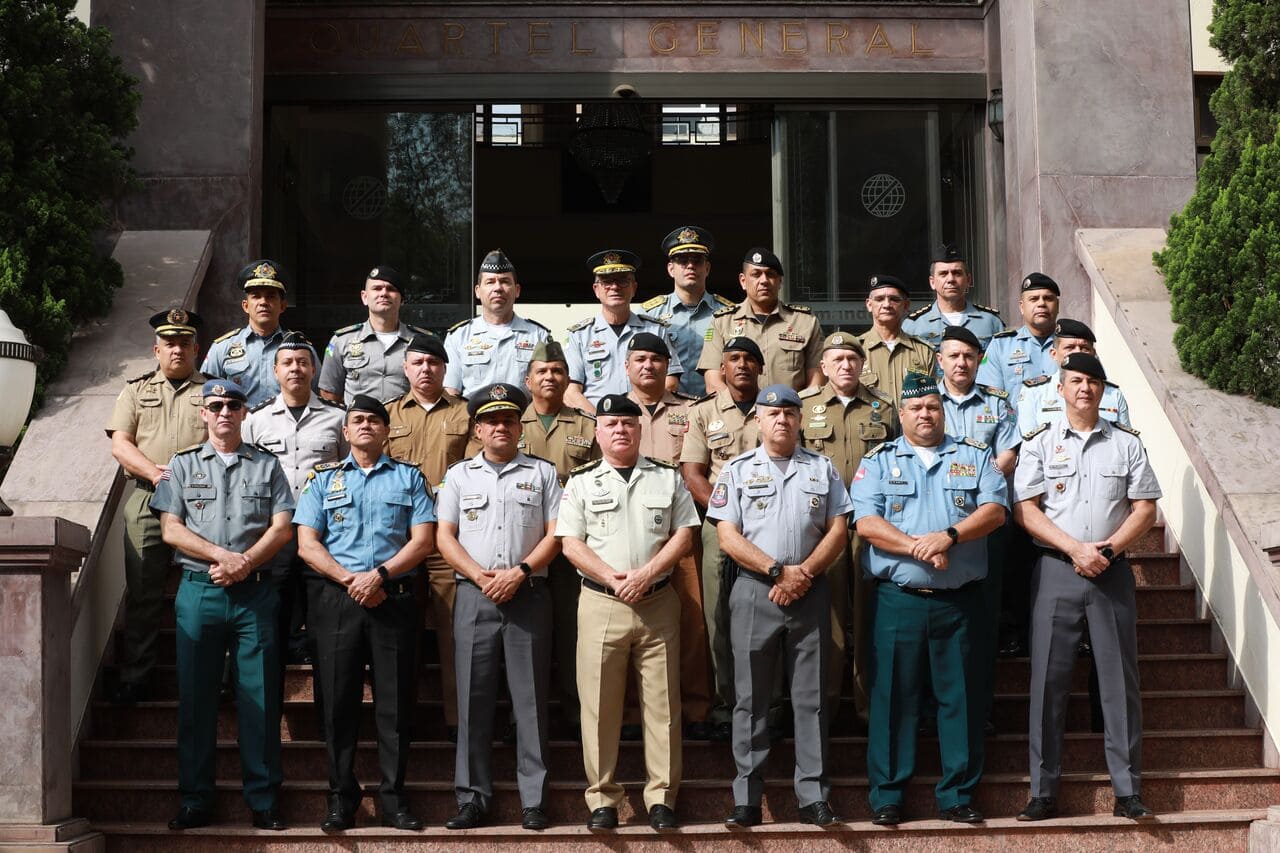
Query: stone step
[[1185, 709], [1152, 540], [1006, 753], [999, 795], [1219, 830]]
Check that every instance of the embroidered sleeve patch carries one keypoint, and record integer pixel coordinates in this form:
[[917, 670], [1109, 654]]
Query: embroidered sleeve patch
[[719, 496]]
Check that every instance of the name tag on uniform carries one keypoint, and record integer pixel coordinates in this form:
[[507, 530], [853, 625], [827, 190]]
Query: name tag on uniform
[[602, 503], [577, 441]]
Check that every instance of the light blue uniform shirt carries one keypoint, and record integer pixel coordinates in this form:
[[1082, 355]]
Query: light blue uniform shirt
[[928, 324], [1042, 404], [688, 328], [1015, 356], [784, 514], [985, 414], [481, 354], [249, 360], [597, 357], [894, 483], [364, 518]]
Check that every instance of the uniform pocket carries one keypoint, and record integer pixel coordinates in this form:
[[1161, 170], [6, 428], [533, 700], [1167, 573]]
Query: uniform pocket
[[199, 502], [528, 508], [657, 512], [395, 511], [1114, 482]]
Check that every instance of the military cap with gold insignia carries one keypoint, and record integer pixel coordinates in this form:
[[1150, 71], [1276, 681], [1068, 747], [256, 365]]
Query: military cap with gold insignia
[[222, 388], [612, 261], [617, 404], [762, 257], [878, 281], [688, 240], [497, 262], [175, 321], [263, 273], [844, 340], [498, 397], [548, 351]]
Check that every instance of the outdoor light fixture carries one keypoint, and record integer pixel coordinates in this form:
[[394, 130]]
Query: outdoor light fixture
[[17, 385], [995, 114]]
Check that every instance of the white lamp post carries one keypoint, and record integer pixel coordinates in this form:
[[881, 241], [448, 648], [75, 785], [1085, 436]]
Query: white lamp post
[[17, 385]]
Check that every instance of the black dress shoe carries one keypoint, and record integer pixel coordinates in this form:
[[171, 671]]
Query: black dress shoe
[[337, 820], [631, 731], [887, 815], [698, 731], [189, 818], [469, 816], [1132, 808], [269, 819], [605, 817], [662, 817], [818, 814], [129, 693], [534, 818], [403, 819], [1040, 808], [961, 814], [722, 733], [744, 817]]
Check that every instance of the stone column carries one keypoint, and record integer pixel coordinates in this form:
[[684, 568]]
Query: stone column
[[37, 556], [1099, 129]]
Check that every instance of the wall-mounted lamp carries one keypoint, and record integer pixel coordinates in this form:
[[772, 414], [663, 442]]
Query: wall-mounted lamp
[[995, 114], [17, 385]]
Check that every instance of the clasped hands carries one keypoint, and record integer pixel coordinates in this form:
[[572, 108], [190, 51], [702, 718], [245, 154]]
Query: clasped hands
[[229, 568], [1088, 560]]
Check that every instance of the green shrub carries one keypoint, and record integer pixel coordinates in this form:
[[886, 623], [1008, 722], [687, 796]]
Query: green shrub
[[65, 107]]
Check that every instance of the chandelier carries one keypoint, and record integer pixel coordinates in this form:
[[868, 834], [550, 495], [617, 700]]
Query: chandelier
[[610, 143]]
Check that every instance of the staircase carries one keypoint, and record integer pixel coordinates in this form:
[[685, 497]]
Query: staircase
[[1204, 770]]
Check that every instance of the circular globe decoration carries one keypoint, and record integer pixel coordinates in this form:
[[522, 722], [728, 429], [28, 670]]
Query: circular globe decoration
[[364, 197], [883, 195]]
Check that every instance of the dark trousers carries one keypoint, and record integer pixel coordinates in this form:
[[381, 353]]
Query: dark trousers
[[348, 636]]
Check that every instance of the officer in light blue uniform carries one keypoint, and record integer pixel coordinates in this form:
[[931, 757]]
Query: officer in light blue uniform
[[596, 349], [498, 345], [925, 502], [1016, 355], [689, 307], [1039, 401], [247, 355], [980, 412], [950, 280]]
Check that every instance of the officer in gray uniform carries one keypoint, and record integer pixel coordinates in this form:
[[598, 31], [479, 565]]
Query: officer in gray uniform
[[497, 516], [781, 513], [1085, 492], [368, 358], [950, 281]]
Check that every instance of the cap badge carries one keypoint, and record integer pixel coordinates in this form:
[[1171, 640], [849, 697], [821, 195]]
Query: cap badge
[[218, 390], [497, 392], [373, 273], [757, 258], [688, 235], [264, 271], [771, 397], [607, 406], [875, 279], [612, 258], [178, 317], [837, 339]]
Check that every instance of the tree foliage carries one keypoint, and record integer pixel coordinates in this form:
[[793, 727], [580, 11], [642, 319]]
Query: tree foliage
[[1221, 262], [65, 107]]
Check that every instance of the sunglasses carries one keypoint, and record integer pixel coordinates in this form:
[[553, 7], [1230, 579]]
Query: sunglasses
[[230, 405]]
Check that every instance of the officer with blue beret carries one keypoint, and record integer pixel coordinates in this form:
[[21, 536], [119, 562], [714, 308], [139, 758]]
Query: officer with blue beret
[[1016, 355], [950, 281]]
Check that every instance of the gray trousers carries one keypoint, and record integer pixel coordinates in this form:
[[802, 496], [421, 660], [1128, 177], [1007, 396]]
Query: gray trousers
[[1061, 601], [763, 634], [484, 634]]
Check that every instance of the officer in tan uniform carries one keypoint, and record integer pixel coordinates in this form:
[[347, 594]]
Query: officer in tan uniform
[[722, 426], [431, 429], [565, 437], [625, 522], [891, 352], [664, 420], [844, 420], [789, 336], [156, 415]]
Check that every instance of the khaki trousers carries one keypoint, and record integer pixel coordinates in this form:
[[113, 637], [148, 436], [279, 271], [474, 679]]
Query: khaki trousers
[[614, 637], [444, 587]]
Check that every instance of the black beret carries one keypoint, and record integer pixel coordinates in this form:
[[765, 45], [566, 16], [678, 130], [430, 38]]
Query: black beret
[[263, 273], [1082, 362], [390, 275], [613, 261], [1040, 281], [960, 333], [175, 321], [497, 397], [648, 342], [497, 262], [688, 240], [878, 281], [429, 344], [365, 403], [1074, 329], [947, 253], [617, 404], [745, 344], [762, 257]]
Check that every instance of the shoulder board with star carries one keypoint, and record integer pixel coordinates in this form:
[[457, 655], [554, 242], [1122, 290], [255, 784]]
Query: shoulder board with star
[[327, 466], [987, 308], [662, 463], [995, 392], [1030, 434], [345, 329], [1124, 428], [420, 330], [263, 404], [1039, 380], [726, 311], [919, 312], [193, 448], [650, 304], [329, 402], [582, 469], [581, 324], [809, 392], [802, 308], [227, 336], [973, 442], [729, 303], [459, 325], [1007, 333], [144, 377], [653, 319]]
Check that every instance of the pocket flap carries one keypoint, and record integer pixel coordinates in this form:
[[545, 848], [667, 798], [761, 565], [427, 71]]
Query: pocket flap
[[655, 501], [819, 432], [398, 500], [256, 490]]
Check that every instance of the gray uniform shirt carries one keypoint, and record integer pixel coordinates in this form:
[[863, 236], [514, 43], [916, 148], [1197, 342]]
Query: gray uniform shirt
[[355, 362], [597, 356], [501, 517], [300, 444], [481, 354], [249, 359], [1087, 480], [228, 505]]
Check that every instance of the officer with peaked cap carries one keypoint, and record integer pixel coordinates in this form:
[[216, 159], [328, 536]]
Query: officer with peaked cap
[[226, 509], [892, 353], [689, 306], [1016, 355], [366, 358], [1085, 491], [1038, 400], [950, 281], [789, 335], [781, 513], [156, 415], [497, 345]]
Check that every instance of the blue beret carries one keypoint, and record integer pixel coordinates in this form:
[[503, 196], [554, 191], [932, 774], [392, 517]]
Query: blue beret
[[778, 395], [222, 388]]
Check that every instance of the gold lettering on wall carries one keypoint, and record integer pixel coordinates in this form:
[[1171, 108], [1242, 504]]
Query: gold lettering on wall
[[574, 47], [409, 41], [708, 37], [668, 40], [756, 37], [367, 38], [916, 49], [836, 34], [326, 40], [878, 41], [539, 34], [795, 41], [496, 28], [451, 38]]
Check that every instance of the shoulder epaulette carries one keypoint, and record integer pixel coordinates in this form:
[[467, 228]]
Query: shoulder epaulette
[[878, 392], [263, 404], [725, 300], [353, 327], [421, 330], [877, 449], [328, 466], [539, 458], [710, 396], [230, 334], [581, 324], [683, 396], [973, 442], [809, 392], [919, 312], [329, 402], [802, 308], [141, 378], [1039, 380], [1030, 434], [408, 462], [726, 311], [1124, 428], [451, 464], [189, 449], [584, 414], [539, 325], [653, 319], [459, 324], [663, 463], [266, 450], [987, 308], [1007, 333], [582, 469], [653, 303], [996, 392]]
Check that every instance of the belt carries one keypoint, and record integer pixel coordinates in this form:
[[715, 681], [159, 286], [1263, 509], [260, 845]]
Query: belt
[[255, 576], [928, 591], [1059, 555], [532, 580], [395, 586], [597, 587]]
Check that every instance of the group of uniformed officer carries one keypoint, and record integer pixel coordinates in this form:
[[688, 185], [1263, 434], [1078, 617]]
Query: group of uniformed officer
[[834, 505]]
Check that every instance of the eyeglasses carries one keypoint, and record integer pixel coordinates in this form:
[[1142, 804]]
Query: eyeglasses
[[231, 406]]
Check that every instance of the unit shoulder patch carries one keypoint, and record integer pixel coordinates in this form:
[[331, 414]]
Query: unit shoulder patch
[[263, 404], [723, 300], [987, 308], [1030, 434], [919, 312], [650, 304], [995, 392], [1007, 333], [663, 463], [228, 335], [1124, 428], [582, 469], [1039, 380], [458, 325], [581, 324], [805, 309], [973, 442]]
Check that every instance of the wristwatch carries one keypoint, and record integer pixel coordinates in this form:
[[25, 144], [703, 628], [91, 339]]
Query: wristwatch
[[954, 534], [775, 571], [1108, 552], [383, 573], [526, 568]]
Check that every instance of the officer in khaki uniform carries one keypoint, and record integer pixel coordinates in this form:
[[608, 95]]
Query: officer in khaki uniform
[[565, 437], [625, 522], [891, 352], [844, 420], [431, 429], [789, 336], [664, 420], [722, 426], [155, 416]]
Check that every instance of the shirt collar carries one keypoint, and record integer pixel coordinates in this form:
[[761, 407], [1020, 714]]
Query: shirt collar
[[207, 451], [349, 463]]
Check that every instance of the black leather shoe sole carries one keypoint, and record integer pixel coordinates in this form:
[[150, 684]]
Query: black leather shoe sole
[[269, 820], [744, 817], [961, 814], [603, 818], [190, 819], [337, 823], [887, 816], [663, 819], [534, 819]]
